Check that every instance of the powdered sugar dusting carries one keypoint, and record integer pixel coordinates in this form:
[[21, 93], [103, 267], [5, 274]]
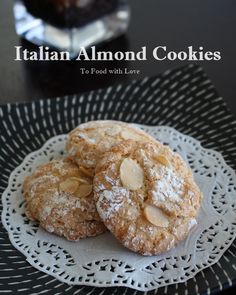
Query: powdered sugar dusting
[[62, 202], [110, 180], [60, 166], [40, 180], [110, 201], [72, 150], [168, 186], [113, 130], [88, 137]]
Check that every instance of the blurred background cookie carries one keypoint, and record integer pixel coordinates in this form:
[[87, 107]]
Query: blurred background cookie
[[89, 141]]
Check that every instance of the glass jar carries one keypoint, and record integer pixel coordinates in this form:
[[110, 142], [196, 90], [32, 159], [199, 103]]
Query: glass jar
[[70, 24]]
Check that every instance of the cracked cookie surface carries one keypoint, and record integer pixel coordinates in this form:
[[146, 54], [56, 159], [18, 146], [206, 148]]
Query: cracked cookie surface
[[89, 141], [59, 195], [146, 196]]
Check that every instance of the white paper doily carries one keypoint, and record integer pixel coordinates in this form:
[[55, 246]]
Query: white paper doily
[[102, 261]]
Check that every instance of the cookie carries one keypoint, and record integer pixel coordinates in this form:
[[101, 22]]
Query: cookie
[[146, 196], [89, 141], [59, 196]]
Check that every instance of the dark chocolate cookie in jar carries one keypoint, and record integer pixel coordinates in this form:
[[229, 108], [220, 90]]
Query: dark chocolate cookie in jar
[[70, 13]]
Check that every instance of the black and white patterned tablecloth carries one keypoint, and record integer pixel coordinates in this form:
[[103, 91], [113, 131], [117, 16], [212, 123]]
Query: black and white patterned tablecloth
[[182, 98]]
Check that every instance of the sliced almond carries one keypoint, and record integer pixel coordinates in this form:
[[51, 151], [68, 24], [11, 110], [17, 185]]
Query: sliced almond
[[162, 160], [156, 216], [128, 134], [83, 180], [70, 185], [95, 135], [84, 190], [131, 174], [87, 172]]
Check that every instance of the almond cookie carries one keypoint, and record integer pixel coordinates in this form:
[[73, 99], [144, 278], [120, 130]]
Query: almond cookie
[[59, 196], [146, 196], [89, 141]]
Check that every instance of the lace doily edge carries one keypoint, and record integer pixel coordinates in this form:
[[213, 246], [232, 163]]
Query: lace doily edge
[[216, 154]]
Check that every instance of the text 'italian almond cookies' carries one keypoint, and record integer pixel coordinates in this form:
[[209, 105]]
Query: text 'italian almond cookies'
[[146, 196], [59, 196], [89, 141]]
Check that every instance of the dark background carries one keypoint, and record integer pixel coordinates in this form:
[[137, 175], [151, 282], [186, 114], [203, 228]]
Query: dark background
[[175, 24]]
